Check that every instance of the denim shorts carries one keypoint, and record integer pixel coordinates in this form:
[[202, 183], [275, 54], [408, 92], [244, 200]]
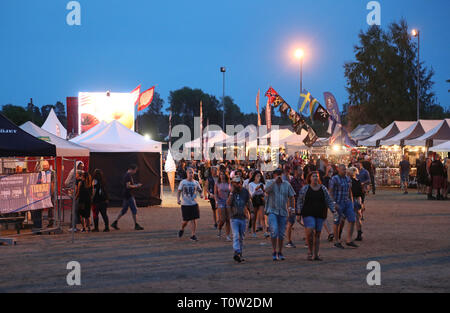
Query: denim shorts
[[222, 203], [277, 225], [346, 211], [313, 222], [129, 203], [291, 219]]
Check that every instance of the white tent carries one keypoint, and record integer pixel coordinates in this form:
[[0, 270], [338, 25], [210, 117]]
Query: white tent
[[248, 134], [415, 130], [54, 126], [439, 134], [364, 131], [294, 142], [64, 148], [210, 137], [443, 147], [89, 133], [390, 131], [115, 137]]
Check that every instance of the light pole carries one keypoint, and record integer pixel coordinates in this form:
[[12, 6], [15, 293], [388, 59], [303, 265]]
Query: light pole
[[223, 70], [299, 54], [416, 33]]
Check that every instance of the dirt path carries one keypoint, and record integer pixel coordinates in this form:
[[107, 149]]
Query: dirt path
[[408, 235]]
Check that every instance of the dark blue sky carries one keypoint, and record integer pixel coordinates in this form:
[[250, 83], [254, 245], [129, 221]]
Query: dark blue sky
[[172, 44]]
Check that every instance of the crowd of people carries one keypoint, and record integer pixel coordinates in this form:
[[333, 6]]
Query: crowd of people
[[246, 200]]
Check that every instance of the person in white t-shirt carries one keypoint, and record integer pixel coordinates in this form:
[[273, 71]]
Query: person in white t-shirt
[[188, 190]]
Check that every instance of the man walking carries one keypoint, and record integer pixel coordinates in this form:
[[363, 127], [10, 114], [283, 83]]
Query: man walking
[[341, 192], [239, 206], [128, 199], [279, 193], [405, 168]]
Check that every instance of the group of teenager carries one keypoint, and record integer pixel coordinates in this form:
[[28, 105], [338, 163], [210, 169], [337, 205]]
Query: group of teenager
[[244, 201]]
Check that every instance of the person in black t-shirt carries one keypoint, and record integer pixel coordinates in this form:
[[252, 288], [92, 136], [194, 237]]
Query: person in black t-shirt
[[358, 194], [128, 199]]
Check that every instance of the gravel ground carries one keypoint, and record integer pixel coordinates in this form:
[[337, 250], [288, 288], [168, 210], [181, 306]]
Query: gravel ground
[[407, 235]]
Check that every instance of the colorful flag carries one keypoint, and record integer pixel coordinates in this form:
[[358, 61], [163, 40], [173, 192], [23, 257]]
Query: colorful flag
[[135, 93], [257, 109], [146, 98], [321, 114], [311, 137], [271, 94], [306, 96], [333, 110], [201, 127], [313, 105]]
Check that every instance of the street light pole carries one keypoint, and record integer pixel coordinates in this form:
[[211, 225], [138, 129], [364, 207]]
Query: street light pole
[[223, 70], [299, 54], [301, 75]]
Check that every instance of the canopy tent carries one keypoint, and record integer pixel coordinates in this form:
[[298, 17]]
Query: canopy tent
[[15, 142], [439, 134], [390, 131], [248, 134], [113, 148], [54, 126], [64, 148], [443, 147], [415, 130], [364, 131], [294, 142]]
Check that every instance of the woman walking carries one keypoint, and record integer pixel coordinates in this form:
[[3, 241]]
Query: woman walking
[[312, 205], [100, 200], [84, 196], [256, 189], [221, 192]]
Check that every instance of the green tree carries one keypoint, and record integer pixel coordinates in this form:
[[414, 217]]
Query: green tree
[[17, 114], [60, 112], [382, 82]]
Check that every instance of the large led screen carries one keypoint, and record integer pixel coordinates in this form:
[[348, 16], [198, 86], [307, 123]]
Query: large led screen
[[94, 107]]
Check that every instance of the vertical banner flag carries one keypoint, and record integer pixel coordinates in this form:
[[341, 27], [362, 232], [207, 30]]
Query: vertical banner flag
[[257, 109], [201, 128], [333, 109], [268, 115], [146, 98]]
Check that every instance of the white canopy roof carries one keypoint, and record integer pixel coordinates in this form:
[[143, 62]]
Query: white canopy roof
[[115, 137], [444, 147], [440, 133], [54, 126], [210, 137], [390, 131], [64, 148], [415, 130], [278, 135], [249, 134]]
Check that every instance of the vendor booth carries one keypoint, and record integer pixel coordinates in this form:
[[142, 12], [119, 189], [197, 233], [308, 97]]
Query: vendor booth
[[439, 134], [113, 148], [390, 131]]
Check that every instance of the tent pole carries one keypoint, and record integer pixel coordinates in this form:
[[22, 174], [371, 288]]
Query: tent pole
[[74, 199]]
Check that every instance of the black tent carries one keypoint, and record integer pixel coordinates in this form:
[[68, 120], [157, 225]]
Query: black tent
[[114, 166], [15, 142]]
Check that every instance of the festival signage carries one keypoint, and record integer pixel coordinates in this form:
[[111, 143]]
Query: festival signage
[[25, 192], [95, 107]]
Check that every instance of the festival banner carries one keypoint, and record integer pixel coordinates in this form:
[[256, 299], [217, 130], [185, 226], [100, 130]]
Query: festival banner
[[135, 94], [25, 192], [333, 110]]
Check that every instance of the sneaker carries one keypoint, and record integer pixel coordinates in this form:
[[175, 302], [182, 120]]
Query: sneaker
[[274, 256], [266, 235], [237, 258], [281, 256], [339, 245], [229, 238], [114, 225], [242, 258], [330, 237], [194, 238], [352, 244], [359, 237], [180, 233], [83, 230], [73, 230], [138, 227], [290, 245]]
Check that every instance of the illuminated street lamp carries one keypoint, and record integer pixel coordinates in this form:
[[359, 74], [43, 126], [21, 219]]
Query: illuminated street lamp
[[299, 54], [416, 33]]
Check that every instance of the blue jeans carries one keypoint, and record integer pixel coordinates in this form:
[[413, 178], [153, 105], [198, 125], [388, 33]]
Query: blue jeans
[[277, 225], [346, 211], [238, 228], [129, 203]]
